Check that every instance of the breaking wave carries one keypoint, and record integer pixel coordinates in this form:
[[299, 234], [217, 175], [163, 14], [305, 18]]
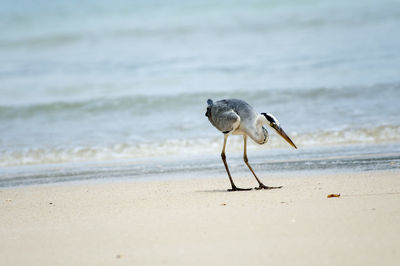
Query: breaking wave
[[198, 146]]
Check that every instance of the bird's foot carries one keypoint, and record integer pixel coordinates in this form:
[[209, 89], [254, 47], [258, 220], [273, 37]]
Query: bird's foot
[[238, 189], [262, 186]]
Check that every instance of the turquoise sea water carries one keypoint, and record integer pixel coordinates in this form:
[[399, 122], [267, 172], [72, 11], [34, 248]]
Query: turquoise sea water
[[101, 82]]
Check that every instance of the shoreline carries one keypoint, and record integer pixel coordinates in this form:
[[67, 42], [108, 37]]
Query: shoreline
[[195, 221], [336, 159]]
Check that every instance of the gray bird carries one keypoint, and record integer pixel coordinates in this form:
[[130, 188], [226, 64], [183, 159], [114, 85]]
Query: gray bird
[[234, 116]]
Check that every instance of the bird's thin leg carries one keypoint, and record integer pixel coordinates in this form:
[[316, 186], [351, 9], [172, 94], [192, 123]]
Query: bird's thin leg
[[234, 188], [246, 160]]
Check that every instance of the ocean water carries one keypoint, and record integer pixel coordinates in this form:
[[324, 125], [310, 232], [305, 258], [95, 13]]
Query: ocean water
[[106, 88]]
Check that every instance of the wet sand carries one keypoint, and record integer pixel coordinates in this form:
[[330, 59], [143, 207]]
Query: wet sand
[[197, 222]]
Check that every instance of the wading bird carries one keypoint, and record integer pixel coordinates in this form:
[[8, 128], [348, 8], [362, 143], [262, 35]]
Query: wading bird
[[234, 116]]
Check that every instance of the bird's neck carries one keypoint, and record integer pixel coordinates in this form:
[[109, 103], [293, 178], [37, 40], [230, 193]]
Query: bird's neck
[[261, 135]]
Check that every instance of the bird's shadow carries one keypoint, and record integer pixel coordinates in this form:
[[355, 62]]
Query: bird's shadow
[[212, 191], [219, 191]]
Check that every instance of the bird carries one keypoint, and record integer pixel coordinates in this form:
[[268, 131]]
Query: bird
[[237, 117]]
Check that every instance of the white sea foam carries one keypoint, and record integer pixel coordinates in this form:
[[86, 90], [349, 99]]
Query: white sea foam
[[198, 146]]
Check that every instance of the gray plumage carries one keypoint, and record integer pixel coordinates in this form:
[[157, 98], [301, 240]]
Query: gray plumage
[[230, 115]]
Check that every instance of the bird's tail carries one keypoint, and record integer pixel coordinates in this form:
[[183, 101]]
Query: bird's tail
[[210, 103]]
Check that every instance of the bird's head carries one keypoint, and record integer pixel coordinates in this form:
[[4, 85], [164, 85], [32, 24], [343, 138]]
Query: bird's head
[[271, 121]]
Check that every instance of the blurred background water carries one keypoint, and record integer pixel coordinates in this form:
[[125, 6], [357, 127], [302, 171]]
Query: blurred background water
[[84, 81]]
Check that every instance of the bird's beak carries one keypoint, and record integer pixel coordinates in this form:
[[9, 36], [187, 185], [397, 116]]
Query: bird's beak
[[282, 133]]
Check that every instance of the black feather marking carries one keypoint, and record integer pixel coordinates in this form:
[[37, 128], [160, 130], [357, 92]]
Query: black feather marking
[[208, 113], [269, 118]]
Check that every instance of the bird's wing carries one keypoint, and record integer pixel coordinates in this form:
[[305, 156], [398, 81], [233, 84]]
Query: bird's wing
[[224, 119]]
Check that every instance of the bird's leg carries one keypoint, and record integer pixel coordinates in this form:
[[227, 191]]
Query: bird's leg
[[246, 160], [234, 188]]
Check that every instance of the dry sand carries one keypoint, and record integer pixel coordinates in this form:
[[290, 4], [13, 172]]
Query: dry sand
[[196, 222]]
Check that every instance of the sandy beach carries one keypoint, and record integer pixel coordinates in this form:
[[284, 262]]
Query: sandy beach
[[197, 222]]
